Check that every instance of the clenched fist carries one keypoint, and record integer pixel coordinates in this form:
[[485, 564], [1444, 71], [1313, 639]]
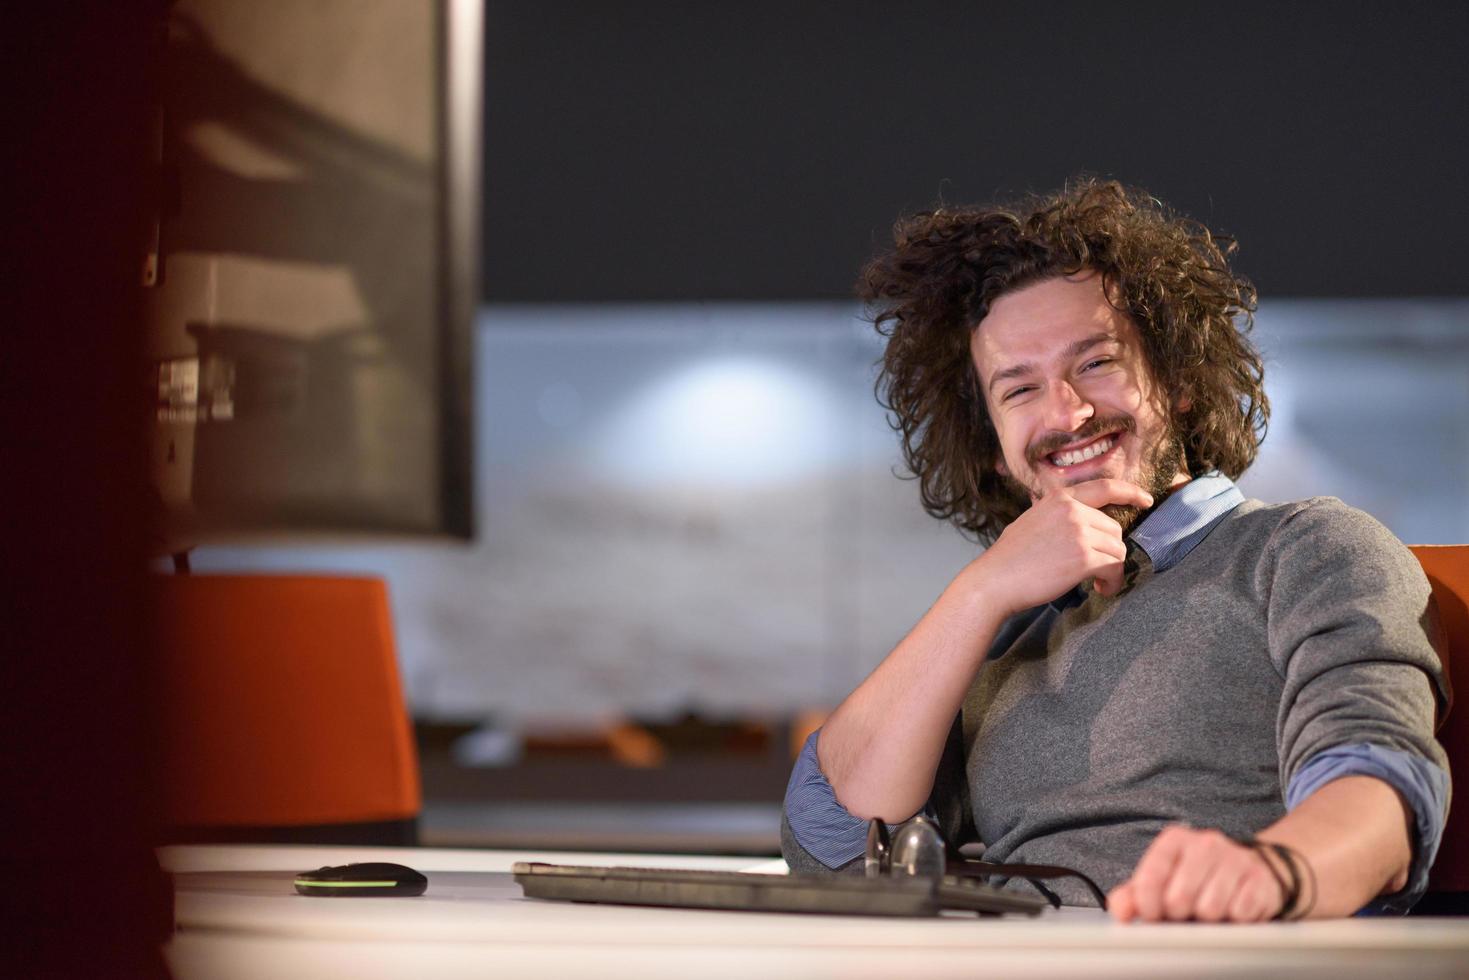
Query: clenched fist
[[1201, 875]]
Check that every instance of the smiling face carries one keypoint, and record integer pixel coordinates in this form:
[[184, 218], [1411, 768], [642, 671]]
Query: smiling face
[[1070, 392]]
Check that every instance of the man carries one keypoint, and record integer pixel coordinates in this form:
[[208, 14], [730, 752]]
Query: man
[[1218, 709]]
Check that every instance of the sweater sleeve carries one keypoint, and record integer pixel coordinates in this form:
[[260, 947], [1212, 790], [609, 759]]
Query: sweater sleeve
[[817, 832], [1422, 784], [1347, 625], [819, 835]]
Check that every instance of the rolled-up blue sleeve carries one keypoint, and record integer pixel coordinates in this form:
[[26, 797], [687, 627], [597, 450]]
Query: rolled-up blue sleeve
[[1423, 785], [820, 824]]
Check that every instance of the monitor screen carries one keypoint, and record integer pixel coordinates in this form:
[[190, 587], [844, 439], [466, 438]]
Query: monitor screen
[[311, 270]]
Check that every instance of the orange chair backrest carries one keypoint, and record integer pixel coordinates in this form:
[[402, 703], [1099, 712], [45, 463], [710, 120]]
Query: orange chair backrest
[[282, 703], [1447, 567]]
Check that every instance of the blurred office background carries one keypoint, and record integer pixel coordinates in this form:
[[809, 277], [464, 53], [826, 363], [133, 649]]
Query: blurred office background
[[692, 534]]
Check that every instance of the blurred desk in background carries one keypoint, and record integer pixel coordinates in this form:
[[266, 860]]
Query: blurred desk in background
[[688, 828]]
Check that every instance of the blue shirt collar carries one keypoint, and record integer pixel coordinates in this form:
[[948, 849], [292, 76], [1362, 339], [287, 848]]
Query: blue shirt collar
[[1185, 518]]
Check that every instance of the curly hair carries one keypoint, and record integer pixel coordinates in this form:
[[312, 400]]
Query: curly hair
[[1170, 275]]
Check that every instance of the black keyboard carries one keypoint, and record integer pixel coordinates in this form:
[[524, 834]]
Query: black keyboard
[[738, 890]]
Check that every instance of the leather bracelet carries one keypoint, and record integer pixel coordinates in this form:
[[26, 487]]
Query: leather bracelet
[[1293, 862], [1296, 862]]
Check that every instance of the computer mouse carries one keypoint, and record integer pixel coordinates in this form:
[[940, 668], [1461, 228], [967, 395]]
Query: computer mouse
[[370, 879]]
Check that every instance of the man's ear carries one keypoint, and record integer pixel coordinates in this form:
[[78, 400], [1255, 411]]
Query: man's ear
[[1001, 468], [1183, 402]]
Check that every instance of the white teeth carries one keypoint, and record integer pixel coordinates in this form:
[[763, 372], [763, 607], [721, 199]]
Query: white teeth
[[1082, 455]]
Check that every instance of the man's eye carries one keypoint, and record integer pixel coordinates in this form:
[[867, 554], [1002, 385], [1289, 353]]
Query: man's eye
[[1097, 363], [1017, 391]]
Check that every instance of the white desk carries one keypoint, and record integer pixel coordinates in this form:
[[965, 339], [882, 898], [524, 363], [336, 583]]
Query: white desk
[[239, 917]]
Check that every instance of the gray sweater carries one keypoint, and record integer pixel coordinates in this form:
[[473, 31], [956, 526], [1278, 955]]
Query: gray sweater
[[1193, 696]]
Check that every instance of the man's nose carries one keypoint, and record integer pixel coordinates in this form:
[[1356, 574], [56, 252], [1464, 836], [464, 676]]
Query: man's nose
[[1065, 407]]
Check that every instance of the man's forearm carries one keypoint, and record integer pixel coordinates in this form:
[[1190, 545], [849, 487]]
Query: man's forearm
[[1352, 833], [880, 748], [1355, 834]]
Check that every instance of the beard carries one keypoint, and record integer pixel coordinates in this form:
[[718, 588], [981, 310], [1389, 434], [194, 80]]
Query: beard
[[1160, 464]]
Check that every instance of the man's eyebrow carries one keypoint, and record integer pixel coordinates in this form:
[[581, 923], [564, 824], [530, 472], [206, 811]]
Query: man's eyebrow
[[1074, 349]]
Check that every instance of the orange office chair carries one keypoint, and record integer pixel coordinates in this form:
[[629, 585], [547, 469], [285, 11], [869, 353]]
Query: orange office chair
[[1447, 567], [283, 717]]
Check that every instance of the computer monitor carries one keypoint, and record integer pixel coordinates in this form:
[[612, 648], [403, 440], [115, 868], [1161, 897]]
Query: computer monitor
[[312, 268]]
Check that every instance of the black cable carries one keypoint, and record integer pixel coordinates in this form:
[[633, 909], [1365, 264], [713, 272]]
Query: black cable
[[1031, 873], [1046, 893]]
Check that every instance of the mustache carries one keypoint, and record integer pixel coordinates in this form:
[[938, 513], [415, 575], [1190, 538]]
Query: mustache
[[1056, 441]]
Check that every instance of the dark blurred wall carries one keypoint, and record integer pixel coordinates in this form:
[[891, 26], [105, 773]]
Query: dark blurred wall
[[655, 150], [82, 893]]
